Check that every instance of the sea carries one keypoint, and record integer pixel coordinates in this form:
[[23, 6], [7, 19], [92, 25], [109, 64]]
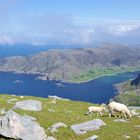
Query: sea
[[99, 90]]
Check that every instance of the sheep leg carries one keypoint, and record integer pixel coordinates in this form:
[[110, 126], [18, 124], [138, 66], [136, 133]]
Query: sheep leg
[[90, 113], [97, 113], [124, 114], [110, 113], [120, 115]]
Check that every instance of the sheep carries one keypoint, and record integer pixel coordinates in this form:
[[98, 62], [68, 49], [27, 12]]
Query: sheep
[[96, 109], [118, 107]]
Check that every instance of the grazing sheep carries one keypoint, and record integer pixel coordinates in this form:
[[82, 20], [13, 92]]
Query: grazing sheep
[[118, 107], [96, 109]]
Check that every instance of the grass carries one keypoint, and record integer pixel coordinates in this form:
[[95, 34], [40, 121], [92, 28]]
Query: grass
[[99, 72], [129, 95], [129, 98], [73, 112]]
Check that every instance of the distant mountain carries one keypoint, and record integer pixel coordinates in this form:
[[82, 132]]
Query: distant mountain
[[64, 64]]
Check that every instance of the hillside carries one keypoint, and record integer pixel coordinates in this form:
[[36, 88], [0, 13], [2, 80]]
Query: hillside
[[129, 91], [75, 65], [71, 112]]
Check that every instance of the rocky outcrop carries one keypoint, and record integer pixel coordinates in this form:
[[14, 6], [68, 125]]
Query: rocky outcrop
[[120, 120], [94, 137], [12, 125], [57, 98], [29, 117], [31, 105], [134, 113], [11, 100], [55, 126], [3, 111], [87, 126], [136, 81], [51, 138]]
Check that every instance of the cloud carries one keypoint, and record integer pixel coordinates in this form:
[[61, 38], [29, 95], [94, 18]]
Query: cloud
[[46, 29]]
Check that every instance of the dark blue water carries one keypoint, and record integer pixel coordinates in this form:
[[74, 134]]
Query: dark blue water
[[95, 91]]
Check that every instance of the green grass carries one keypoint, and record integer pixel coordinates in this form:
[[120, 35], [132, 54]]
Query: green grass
[[99, 72], [129, 98], [129, 95], [72, 112]]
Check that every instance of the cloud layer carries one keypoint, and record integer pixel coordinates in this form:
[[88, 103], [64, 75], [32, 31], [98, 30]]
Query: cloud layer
[[65, 30]]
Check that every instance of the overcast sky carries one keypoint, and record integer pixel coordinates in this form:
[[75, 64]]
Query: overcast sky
[[69, 22]]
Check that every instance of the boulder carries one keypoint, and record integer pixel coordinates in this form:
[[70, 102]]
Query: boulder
[[22, 97], [58, 98], [126, 137], [31, 105], [11, 100], [3, 111], [50, 138], [55, 126], [94, 137], [120, 120], [29, 117], [12, 125], [134, 113], [87, 126], [50, 110], [137, 126]]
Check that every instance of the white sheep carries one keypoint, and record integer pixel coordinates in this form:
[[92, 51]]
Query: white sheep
[[118, 107], [96, 109]]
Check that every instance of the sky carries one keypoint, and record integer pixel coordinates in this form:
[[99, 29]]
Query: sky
[[69, 22]]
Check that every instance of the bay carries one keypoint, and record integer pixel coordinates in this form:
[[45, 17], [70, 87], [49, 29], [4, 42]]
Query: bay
[[99, 90]]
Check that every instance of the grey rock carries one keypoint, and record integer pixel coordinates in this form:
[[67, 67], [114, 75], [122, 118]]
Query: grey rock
[[22, 97], [59, 85], [55, 126], [126, 137], [13, 95], [3, 111], [120, 120], [87, 126], [18, 81], [58, 98], [53, 101], [32, 105], [134, 113], [11, 100], [12, 125], [51, 138], [50, 110], [137, 126], [29, 117], [94, 137]]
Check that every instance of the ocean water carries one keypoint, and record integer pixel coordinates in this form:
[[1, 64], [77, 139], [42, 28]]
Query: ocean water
[[96, 91]]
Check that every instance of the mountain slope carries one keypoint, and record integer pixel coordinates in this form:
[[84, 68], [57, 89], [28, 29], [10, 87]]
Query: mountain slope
[[69, 64], [129, 92], [136, 82], [72, 112]]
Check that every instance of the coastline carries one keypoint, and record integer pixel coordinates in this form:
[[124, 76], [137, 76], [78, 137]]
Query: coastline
[[113, 74], [46, 75]]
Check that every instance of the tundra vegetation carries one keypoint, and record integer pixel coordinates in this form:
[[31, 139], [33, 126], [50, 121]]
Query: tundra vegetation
[[129, 92], [70, 113]]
